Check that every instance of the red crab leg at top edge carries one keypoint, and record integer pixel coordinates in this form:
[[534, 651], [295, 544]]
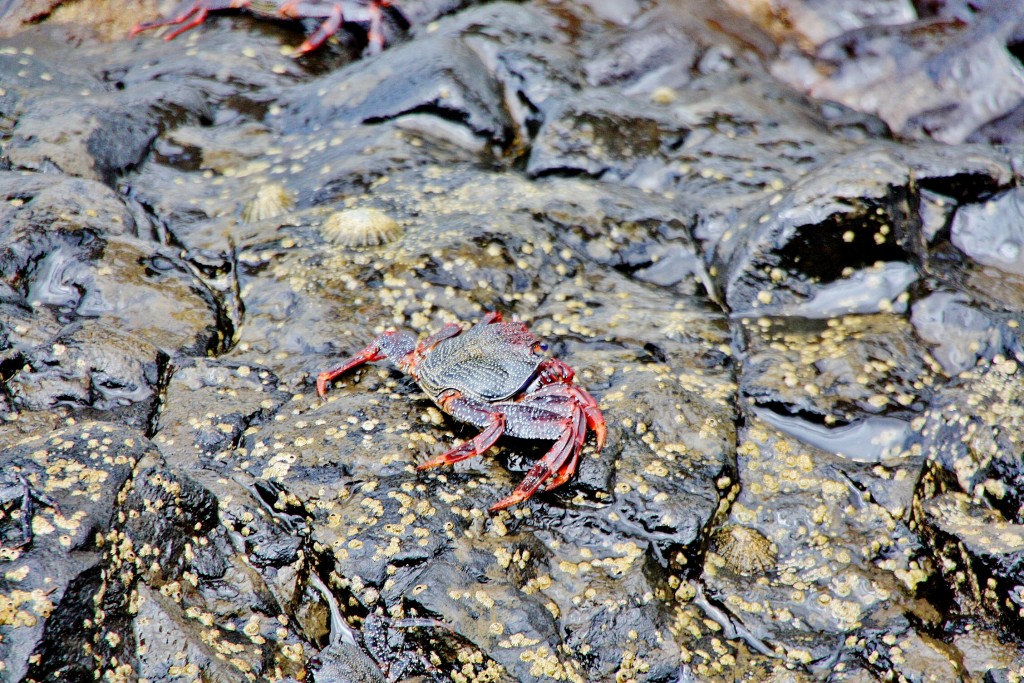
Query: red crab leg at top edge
[[198, 18], [182, 13], [328, 28], [297, 9], [375, 34], [196, 10], [491, 317]]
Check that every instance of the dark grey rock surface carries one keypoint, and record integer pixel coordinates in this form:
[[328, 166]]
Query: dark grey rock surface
[[781, 246]]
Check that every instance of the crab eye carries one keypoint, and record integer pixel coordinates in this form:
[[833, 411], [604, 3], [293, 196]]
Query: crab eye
[[540, 347]]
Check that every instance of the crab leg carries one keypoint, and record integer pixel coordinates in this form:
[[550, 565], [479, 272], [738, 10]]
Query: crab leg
[[375, 34], [367, 355], [198, 18], [184, 11], [578, 396], [447, 332], [555, 378], [595, 420], [563, 471], [474, 413], [323, 32], [196, 9], [566, 472], [553, 461]]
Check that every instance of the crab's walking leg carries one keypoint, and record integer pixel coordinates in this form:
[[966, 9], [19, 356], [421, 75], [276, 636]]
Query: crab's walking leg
[[490, 317], [577, 396], [181, 14], [327, 29], [564, 470], [198, 18], [560, 461], [423, 348], [447, 332], [595, 420], [555, 378], [473, 412], [375, 34], [367, 355], [196, 9]]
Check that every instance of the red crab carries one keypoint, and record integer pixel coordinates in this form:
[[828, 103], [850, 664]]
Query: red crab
[[191, 13], [494, 376]]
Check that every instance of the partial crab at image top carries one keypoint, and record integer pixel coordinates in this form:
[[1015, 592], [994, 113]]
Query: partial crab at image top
[[495, 376], [335, 14]]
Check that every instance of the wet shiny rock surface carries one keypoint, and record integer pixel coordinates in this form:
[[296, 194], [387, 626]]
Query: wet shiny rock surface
[[779, 242]]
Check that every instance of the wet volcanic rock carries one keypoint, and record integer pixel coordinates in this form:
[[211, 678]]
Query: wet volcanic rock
[[803, 333]]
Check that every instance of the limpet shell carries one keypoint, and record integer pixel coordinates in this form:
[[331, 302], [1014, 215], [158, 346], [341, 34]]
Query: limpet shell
[[270, 200], [361, 228], [745, 550]]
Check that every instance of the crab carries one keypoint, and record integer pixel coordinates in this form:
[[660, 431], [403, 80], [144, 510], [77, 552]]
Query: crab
[[191, 13], [496, 376]]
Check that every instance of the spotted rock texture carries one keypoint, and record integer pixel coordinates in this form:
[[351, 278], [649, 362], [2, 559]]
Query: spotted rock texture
[[797, 301]]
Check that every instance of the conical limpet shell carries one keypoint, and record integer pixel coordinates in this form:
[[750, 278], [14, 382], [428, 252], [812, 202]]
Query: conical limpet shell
[[361, 228], [745, 550], [270, 200]]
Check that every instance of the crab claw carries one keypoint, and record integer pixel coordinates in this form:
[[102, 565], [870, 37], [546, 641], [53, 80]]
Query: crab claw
[[554, 371], [367, 355]]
